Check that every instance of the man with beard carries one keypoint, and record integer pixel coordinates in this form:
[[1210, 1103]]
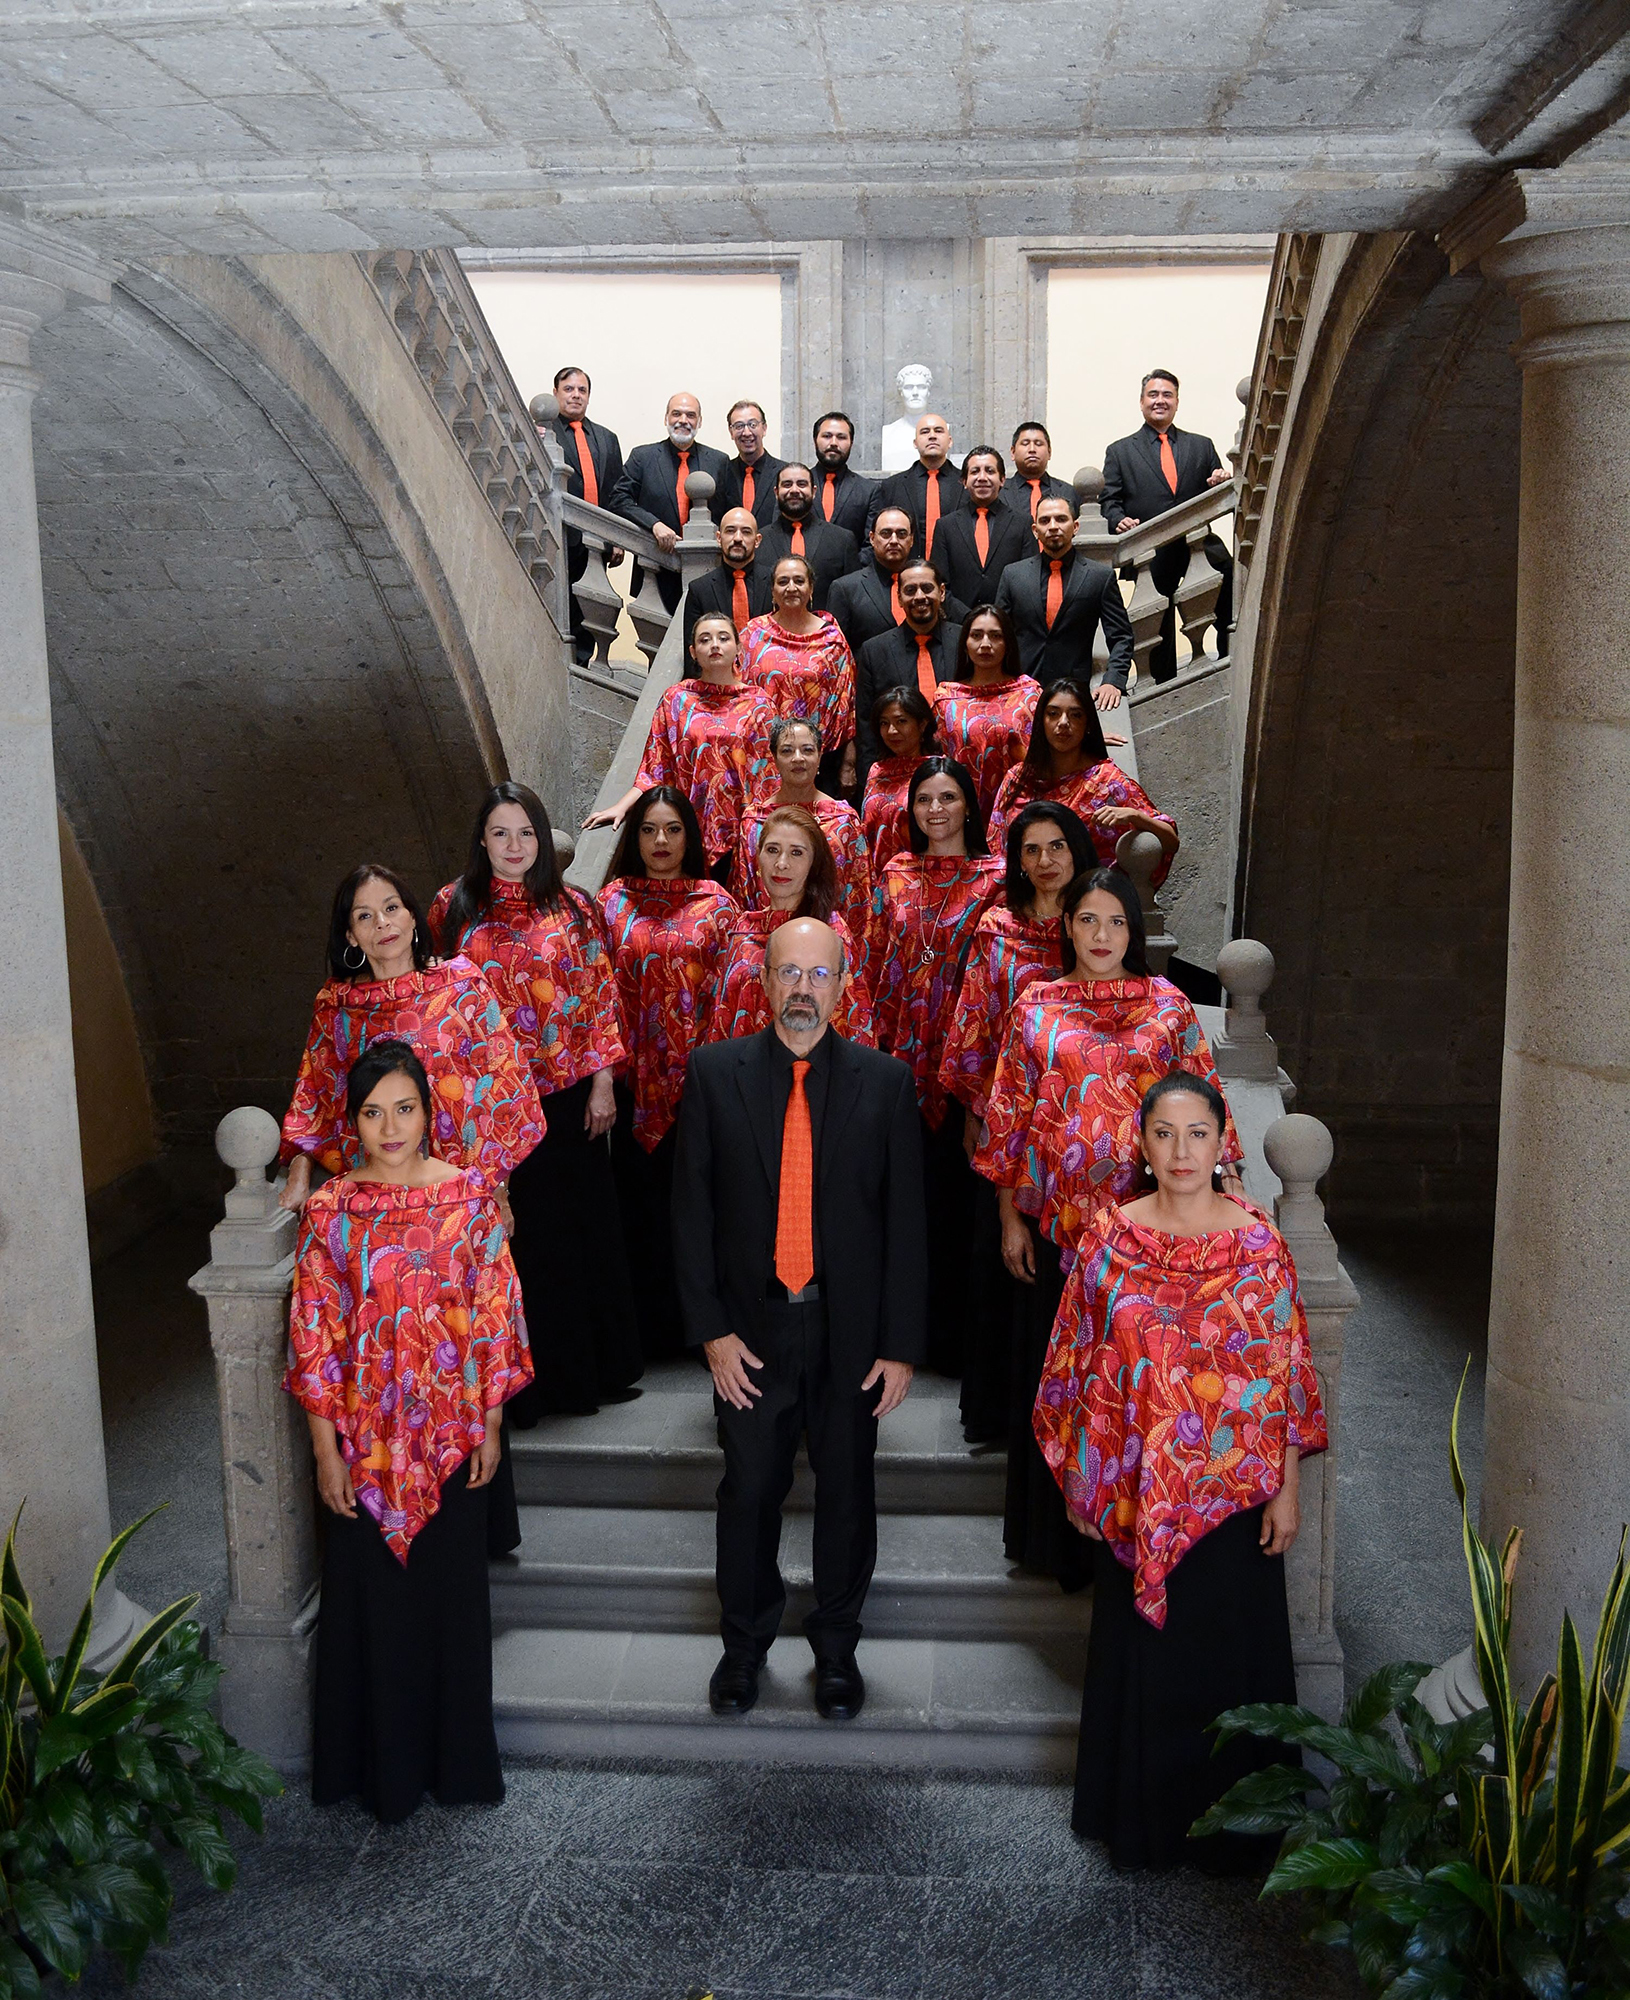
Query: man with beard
[[1057, 600], [650, 490], [740, 586], [978, 542], [594, 463], [800, 1247], [749, 477], [842, 497], [867, 600], [919, 652], [799, 531]]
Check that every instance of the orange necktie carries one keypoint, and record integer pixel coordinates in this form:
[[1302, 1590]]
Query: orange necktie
[[585, 464], [680, 494], [1055, 591], [738, 601], [828, 488], [931, 514], [895, 605], [1168, 463], [747, 487], [795, 1210], [926, 682], [981, 534], [1035, 496], [797, 538]]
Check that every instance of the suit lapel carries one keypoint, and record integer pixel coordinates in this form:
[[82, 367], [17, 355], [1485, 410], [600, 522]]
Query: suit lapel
[[753, 1081], [842, 1095]]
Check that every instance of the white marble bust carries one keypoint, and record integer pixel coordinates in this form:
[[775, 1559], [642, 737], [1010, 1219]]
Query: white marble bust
[[913, 383]]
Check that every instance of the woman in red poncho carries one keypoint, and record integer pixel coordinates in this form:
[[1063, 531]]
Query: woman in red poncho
[[1177, 1403], [929, 904], [904, 725], [796, 751], [802, 661], [1019, 940], [986, 710], [1061, 1139], [405, 1340], [1068, 760], [668, 923], [798, 878], [710, 738], [542, 948]]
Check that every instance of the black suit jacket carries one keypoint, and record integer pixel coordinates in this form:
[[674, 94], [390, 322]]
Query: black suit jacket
[[1092, 598], [604, 450], [645, 493], [863, 607], [909, 489], [729, 493], [716, 592], [1134, 483], [871, 1216], [957, 554], [830, 552], [1017, 492], [890, 660], [851, 500]]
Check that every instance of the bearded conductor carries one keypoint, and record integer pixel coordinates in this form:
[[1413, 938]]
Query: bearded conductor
[[800, 1246]]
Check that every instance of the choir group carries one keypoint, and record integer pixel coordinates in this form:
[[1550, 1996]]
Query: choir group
[[496, 1084]]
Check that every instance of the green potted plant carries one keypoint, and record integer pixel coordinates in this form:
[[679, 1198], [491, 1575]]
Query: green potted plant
[[95, 1772], [1471, 1860]]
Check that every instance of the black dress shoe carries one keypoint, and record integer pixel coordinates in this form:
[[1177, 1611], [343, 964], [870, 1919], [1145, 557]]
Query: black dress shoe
[[734, 1686], [840, 1690]]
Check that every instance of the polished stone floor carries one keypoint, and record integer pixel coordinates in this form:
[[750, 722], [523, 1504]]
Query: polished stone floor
[[649, 1883]]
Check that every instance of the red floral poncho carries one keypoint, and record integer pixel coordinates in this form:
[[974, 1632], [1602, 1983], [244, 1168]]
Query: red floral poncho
[[883, 816], [812, 675], [1061, 1124], [929, 906], [551, 970], [1178, 1373], [667, 938], [404, 1331], [740, 1004], [1086, 793], [841, 825], [987, 728], [484, 1109], [1009, 955], [712, 744]]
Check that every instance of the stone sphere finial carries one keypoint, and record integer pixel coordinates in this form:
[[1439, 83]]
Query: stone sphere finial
[[1242, 389], [544, 407], [1245, 969], [247, 1140], [1139, 856], [699, 488], [1089, 484], [565, 847], [1299, 1149]]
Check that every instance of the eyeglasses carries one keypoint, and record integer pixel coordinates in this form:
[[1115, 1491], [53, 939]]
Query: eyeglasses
[[820, 977]]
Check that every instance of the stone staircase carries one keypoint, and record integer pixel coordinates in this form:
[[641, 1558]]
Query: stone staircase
[[606, 1621]]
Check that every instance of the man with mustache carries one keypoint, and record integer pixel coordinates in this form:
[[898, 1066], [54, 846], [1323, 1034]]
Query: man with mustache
[[800, 1249], [799, 531], [650, 491]]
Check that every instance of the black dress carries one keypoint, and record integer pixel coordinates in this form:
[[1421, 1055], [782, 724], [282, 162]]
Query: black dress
[[1036, 1531], [1145, 1770], [573, 1267], [949, 1186], [987, 1360], [403, 1702], [645, 1197]]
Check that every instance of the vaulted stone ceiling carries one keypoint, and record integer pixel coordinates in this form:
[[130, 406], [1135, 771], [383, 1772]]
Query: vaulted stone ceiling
[[149, 125]]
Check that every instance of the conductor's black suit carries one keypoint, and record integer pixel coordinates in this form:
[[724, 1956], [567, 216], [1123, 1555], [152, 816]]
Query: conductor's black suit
[[1091, 598], [1134, 484], [870, 1286]]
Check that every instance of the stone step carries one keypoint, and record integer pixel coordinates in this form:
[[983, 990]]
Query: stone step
[[938, 1704], [661, 1451], [651, 1570]]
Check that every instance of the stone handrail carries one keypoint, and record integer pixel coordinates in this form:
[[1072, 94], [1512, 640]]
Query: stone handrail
[[1196, 595], [428, 300], [1290, 285]]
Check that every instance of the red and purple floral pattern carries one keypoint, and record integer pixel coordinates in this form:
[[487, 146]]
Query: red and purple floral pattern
[[713, 744], [929, 906], [1086, 793], [986, 727], [1010, 953], [811, 674]]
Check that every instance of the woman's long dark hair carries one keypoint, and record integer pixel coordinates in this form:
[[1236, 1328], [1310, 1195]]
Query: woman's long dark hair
[[915, 705], [973, 827], [962, 670], [1136, 962], [339, 922], [628, 861], [378, 1061], [1038, 758], [1017, 887], [820, 897], [471, 901]]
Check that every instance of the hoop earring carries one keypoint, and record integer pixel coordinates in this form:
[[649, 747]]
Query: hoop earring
[[345, 958]]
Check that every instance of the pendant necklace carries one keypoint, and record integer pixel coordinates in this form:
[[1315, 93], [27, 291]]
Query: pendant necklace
[[926, 957]]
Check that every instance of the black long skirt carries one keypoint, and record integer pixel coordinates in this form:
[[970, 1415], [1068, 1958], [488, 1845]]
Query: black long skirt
[[573, 1268], [404, 1663], [987, 1362], [1036, 1531], [949, 1187], [645, 1197], [1145, 1773]]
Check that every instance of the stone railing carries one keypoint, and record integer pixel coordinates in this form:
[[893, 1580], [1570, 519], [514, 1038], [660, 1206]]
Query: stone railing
[[428, 300], [1290, 284]]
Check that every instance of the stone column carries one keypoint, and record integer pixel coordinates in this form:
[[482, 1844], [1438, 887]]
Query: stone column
[[50, 1402], [1557, 1460]]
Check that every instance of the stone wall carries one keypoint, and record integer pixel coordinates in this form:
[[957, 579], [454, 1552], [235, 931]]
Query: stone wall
[[601, 707], [1185, 767]]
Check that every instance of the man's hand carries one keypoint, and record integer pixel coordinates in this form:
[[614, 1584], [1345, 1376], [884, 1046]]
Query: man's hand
[[848, 769], [601, 1112], [1219, 476], [1127, 523], [896, 1379], [613, 557], [666, 538], [1107, 695], [728, 1360]]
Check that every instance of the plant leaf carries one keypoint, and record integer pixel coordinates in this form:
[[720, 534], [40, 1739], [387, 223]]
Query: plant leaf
[[48, 1923], [28, 1649], [1462, 1877], [69, 1812], [17, 1969], [74, 1658], [58, 1743], [1542, 1973], [1570, 1753], [148, 1637], [105, 1711], [1325, 1864], [1381, 1694], [1543, 1908], [208, 1849]]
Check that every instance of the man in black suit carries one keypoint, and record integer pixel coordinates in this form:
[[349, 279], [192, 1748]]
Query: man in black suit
[[919, 652], [1159, 467], [1057, 600], [800, 1248], [740, 586], [977, 542], [866, 601], [651, 489], [1032, 482], [842, 497], [798, 531], [749, 477], [594, 463], [928, 490]]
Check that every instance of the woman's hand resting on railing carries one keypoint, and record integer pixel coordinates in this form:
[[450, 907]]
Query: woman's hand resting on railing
[[297, 1186], [611, 815]]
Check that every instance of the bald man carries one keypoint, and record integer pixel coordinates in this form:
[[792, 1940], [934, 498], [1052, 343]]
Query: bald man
[[740, 586], [927, 490], [650, 489], [800, 1247]]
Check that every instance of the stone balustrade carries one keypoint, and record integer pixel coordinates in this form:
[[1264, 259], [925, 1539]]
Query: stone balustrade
[[1139, 857], [1267, 393], [1196, 594]]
